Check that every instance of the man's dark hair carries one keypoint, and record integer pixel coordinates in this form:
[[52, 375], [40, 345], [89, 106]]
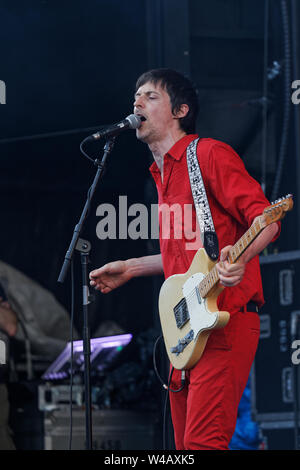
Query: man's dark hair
[[180, 90]]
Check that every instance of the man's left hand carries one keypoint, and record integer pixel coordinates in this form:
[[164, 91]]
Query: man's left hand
[[230, 274]]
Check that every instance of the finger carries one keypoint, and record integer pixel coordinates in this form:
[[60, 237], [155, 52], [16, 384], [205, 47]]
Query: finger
[[97, 287], [97, 284], [232, 268], [100, 286], [225, 266], [105, 290], [229, 278], [230, 281], [224, 252], [222, 268], [98, 272], [227, 270], [94, 274]]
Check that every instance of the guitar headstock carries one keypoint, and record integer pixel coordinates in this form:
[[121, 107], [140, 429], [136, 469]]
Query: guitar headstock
[[278, 209]]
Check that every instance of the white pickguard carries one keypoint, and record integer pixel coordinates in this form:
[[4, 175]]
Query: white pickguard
[[200, 317]]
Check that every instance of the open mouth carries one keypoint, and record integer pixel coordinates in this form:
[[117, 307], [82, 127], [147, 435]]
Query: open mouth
[[141, 117]]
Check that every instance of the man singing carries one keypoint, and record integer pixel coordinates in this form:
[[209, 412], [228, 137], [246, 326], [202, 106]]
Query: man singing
[[204, 413]]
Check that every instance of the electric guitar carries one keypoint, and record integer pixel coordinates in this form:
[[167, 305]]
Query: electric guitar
[[188, 302]]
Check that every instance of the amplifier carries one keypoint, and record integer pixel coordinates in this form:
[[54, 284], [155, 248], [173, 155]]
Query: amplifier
[[111, 430], [275, 373], [278, 435], [53, 396]]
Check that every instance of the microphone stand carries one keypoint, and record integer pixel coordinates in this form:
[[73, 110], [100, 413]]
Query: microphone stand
[[84, 246]]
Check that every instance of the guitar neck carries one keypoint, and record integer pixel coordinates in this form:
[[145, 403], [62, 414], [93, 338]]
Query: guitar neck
[[212, 278]]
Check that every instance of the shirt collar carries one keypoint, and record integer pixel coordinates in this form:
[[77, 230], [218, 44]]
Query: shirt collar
[[177, 150], [180, 146]]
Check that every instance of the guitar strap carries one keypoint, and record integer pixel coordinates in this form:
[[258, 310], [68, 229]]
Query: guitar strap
[[207, 229]]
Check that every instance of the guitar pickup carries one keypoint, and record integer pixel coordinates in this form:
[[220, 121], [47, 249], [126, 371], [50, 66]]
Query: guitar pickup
[[198, 295], [182, 343], [181, 313]]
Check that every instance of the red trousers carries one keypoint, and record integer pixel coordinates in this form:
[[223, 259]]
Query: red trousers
[[204, 413]]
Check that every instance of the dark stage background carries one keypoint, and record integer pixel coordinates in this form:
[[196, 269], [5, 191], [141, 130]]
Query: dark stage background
[[71, 67]]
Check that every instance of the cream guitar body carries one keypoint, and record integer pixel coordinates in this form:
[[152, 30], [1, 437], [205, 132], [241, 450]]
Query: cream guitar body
[[203, 313], [188, 302]]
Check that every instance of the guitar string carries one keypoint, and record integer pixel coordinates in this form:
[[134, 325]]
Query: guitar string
[[193, 293], [210, 280], [237, 247]]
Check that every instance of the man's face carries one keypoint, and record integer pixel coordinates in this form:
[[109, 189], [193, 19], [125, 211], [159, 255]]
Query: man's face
[[153, 103]]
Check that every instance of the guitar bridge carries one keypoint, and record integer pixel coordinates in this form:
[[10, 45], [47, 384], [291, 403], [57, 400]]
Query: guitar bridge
[[181, 313], [182, 343]]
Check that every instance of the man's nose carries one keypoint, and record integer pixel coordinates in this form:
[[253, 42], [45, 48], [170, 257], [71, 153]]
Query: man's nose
[[138, 102]]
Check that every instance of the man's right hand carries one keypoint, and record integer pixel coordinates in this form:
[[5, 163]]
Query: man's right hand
[[110, 276], [115, 274]]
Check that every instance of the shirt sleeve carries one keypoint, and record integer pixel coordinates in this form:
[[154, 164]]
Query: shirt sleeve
[[235, 190]]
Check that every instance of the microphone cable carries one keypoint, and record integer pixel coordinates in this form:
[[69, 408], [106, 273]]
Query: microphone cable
[[83, 152], [167, 388]]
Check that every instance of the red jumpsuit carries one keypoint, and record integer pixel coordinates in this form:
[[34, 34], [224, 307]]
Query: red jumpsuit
[[204, 413]]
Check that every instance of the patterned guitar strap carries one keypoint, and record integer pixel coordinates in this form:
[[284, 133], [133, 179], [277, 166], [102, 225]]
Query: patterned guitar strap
[[207, 229]]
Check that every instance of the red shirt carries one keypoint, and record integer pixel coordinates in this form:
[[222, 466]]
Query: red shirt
[[235, 199]]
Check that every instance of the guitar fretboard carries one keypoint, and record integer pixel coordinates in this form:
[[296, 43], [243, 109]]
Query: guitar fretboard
[[212, 278]]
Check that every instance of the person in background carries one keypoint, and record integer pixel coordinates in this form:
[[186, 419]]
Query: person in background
[[32, 318]]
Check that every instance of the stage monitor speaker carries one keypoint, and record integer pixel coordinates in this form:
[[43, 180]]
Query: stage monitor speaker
[[112, 430], [275, 377]]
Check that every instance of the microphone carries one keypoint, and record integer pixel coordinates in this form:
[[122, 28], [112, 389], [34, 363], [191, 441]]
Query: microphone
[[133, 121]]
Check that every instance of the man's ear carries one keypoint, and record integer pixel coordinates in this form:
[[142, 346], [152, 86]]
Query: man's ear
[[182, 112]]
